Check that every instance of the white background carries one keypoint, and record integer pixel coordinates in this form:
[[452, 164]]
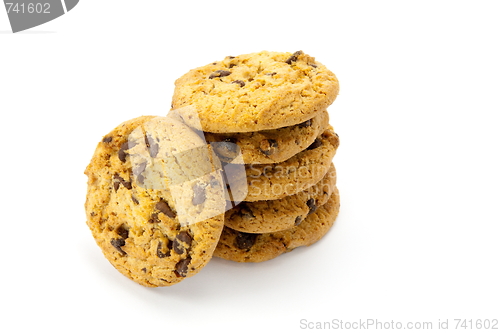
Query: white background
[[417, 238]]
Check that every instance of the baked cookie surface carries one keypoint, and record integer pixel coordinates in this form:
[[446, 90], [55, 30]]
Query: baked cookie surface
[[245, 247], [155, 220], [255, 92], [271, 146], [282, 214], [275, 181]]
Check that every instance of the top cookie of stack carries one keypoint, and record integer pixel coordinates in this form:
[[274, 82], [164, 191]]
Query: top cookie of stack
[[256, 92]]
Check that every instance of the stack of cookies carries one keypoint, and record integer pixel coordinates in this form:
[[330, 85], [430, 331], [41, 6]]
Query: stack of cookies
[[159, 206], [268, 110]]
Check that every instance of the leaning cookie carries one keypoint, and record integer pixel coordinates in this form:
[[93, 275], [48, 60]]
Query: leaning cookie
[[275, 181], [271, 146], [282, 214], [245, 247], [156, 221], [255, 92]]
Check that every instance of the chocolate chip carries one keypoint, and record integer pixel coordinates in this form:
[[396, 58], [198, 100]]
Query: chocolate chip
[[317, 143], [152, 145], [298, 220], [306, 123], [294, 57], [313, 65], [272, 74], [107, 139], [178, 247], [214, 182], [241, 83], [127, 185], [269, 147], [199, 195], [245, 241], [144, 270], [219, 73], [311, 203], [153, 150], [122, 155], [231, 57], [117, 244], [185, 237], [154, 218], [122, 232], [140, 168], [246, 212], [232, 65], [125, 146], [182, 267], [134, 200], [116, 181], [159, 252], [163, 207], [226, 148]]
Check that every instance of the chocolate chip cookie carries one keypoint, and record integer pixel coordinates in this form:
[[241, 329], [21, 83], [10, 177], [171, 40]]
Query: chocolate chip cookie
[[277, 215], [156, 214], [256, 92], [245, 247], [271, 146], [275, 181]]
